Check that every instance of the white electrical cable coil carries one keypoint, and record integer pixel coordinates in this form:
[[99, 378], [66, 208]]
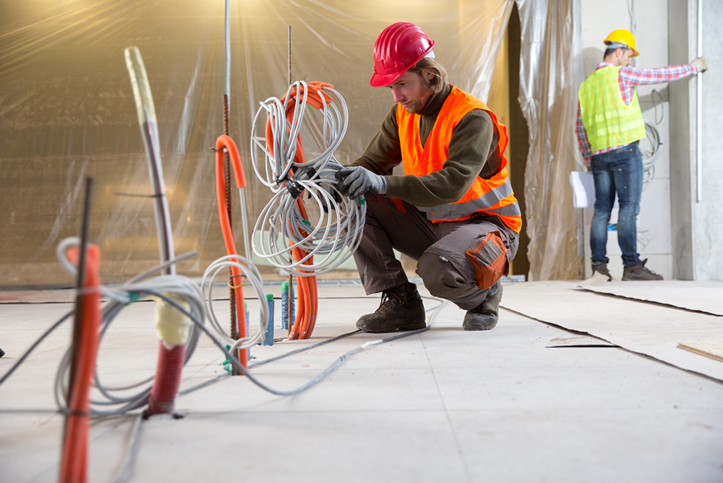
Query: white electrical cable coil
[[282, 227], [650, 156], [247, 268], [286, 134], [117, 398], [336, 235]]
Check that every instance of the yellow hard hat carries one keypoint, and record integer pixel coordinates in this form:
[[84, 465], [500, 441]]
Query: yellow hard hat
[[622, 36]]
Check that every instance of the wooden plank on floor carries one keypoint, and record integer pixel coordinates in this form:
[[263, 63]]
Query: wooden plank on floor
[[650, 329], [694, 296], [713, 350]]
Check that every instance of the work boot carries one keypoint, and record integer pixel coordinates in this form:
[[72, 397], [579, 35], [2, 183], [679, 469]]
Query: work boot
[[485, 315], [602, 268], [640, 272], [401, 309]]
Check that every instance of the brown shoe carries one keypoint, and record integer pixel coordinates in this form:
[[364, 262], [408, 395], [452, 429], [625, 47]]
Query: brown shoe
[[640, 272], [485, 315], [602, 268], [401, 309]]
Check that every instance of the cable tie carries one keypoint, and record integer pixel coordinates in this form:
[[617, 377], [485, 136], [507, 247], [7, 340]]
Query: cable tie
[[217, 150], [235, 286], [294, 188], [133, 296], [134, 195]]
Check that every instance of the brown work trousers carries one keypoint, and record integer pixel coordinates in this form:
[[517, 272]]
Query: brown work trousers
[[458, 261]]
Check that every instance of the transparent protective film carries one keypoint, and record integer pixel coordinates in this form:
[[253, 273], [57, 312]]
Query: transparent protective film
[[67, 111], [548, 97]]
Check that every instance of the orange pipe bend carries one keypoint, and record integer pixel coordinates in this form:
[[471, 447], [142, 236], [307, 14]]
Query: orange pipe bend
[[74, 463], [224, 141]]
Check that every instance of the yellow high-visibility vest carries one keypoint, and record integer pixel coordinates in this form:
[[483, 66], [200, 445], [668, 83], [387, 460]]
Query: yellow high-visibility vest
[[607, 120]]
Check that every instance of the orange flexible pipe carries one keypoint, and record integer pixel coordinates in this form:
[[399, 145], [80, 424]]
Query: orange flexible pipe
[[74, 462], [308, 298], [307, 287], [222, 142]]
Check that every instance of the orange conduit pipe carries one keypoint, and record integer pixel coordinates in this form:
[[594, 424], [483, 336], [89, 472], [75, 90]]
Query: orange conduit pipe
[[74, 462], [308, 299], [308, 304], [315, 94], [226, 142]]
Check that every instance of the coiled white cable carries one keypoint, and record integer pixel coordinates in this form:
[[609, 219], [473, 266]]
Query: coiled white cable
[[281, 226], [254, 277], [117, 398], [650, 156], [286, 134]]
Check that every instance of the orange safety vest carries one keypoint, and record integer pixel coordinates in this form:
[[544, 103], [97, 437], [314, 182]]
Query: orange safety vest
[[491, 196]]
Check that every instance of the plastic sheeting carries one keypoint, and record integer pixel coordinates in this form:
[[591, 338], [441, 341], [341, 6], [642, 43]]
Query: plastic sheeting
[[67, 111], [548, 97]]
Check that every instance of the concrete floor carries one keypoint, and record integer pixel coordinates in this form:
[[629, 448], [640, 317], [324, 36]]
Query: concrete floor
[[441, 406]]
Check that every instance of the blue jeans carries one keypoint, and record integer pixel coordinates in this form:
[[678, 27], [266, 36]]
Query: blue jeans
[[618, 171]]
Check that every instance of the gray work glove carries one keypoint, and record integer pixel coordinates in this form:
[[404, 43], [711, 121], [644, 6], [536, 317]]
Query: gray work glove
[[356, 181], [700, 64]]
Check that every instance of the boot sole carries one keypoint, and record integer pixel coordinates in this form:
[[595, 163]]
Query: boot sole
[[478, 326], [402, 327]]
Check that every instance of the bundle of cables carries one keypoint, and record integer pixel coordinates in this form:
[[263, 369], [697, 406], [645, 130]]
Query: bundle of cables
[[245, 266], [651, 155], [283, 234], [118, 399]]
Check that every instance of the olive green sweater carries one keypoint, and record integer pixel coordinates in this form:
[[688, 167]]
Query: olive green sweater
[[474, 141]]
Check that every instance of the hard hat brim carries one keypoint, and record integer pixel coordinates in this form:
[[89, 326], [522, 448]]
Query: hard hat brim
[[382, 80]]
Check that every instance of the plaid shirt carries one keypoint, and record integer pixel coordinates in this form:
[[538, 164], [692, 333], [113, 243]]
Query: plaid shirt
[[628, 78]]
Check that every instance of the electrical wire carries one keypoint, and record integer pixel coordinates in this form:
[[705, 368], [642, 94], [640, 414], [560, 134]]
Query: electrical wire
[[283, 225], [651, 155], [304, 349], [116, 397], [132, 446], [235, 362], [35, 345], [254, 277], [124, 471]]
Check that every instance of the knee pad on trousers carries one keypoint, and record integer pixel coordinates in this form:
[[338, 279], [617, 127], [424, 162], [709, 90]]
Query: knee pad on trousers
[[439, 275]]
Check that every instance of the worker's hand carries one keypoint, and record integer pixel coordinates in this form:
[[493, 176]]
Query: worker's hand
[[700, 64], [356, 181]]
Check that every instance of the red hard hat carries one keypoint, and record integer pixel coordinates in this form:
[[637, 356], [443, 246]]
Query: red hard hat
[[398, 48]]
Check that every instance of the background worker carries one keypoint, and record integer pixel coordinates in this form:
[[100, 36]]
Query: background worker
[[453, 211], [609, 126]]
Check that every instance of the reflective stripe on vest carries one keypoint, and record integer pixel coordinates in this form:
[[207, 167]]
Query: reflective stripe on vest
[[493, 196], [607, 120], [483, 203]]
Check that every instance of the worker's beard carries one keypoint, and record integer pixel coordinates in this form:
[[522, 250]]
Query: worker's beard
[[416, 105]]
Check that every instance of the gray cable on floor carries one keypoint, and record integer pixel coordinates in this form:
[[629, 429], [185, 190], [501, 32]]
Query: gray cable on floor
[[302, 349], [235, 362], [124, 471], [36, 344]]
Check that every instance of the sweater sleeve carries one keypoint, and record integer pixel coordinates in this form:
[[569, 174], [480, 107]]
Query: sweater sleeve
[[383, 152], [473, 140]]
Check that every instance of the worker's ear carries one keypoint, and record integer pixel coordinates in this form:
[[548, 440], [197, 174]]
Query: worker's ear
[[428, 76]]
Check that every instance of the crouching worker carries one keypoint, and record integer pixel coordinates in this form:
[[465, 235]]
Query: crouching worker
[[453, 211]]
